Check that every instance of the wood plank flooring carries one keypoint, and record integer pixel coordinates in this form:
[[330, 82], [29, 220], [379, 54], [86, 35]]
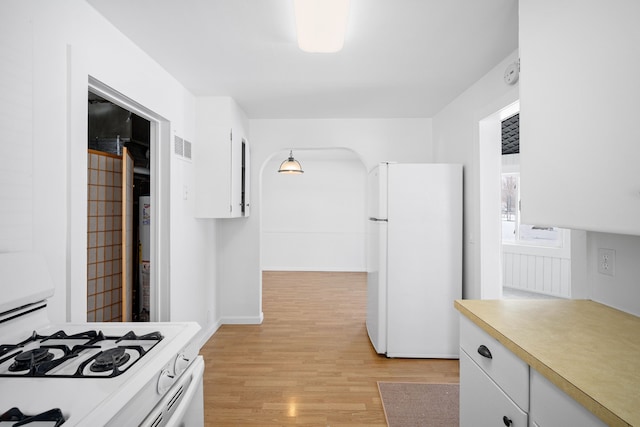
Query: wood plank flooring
[[309, 363]]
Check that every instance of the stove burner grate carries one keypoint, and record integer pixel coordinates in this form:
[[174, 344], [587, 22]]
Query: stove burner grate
[[132, 336], [41, 360], [7, 348], [4, 349], [14, 414], [92, 336]]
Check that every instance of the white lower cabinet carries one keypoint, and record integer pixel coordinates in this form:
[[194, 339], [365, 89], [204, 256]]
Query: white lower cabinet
[[494, 383], [551, 407], [497, 388]]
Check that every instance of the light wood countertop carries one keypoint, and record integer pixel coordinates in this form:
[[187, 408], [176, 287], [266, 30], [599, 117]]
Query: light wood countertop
[[588, 350]]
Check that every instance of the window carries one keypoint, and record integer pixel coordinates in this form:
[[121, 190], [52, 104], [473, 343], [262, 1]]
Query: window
[[513, 231]]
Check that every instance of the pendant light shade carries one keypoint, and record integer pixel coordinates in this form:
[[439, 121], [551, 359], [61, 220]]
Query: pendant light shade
[[290, 165]]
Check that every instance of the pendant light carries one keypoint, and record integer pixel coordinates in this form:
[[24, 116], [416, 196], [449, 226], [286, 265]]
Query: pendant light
[[290, 165]]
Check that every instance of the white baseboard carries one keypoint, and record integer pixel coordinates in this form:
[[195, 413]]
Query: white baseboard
[[243, 320], [206, 334]]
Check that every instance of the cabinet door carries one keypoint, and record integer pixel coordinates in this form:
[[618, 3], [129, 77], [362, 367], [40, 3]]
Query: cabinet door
[[482, 402], [246, 177], [579, 95], [239, 184], [212, 157], [236, 204], [221, 135], [239, 154], [551, 407]]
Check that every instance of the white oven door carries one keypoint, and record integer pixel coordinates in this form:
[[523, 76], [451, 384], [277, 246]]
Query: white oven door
[[182, 405]]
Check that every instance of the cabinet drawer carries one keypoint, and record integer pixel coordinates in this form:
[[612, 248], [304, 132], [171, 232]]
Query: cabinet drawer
[[482, 402], [505, 368]]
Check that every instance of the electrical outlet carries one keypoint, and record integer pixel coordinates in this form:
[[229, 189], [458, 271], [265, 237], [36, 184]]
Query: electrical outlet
[[607, 262]]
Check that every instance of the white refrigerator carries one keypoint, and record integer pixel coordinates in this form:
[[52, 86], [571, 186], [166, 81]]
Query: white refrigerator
[[414, 259]]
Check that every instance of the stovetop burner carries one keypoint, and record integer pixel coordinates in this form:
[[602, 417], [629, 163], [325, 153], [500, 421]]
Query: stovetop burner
[[109, 359], [14, 417], [28, 359], [85, 354]]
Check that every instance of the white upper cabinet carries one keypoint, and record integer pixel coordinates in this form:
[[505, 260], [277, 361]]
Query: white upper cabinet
[[221, 159], [579, 114]]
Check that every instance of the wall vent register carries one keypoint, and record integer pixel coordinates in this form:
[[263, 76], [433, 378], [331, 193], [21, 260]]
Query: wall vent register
[[182, 148]]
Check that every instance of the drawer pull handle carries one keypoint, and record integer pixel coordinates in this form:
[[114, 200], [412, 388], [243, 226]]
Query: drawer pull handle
[[506, 421], [484, 351]]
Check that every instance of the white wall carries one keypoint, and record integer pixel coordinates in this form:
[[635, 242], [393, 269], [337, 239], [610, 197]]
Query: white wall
[[16, 141], [622, 290], [373, 140], [71, 42], [314, 221], [456, 140]]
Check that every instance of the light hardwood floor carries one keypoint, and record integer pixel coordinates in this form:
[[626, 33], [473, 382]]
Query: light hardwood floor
[[309, 363]]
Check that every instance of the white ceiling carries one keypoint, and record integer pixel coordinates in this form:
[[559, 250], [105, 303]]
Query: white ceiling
[[402, 58]]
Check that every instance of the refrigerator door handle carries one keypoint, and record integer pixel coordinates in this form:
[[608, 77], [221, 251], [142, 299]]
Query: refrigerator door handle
[[378, 219]]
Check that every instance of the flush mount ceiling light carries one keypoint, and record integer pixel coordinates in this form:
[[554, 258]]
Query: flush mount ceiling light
[[291, 165], [321, 24]]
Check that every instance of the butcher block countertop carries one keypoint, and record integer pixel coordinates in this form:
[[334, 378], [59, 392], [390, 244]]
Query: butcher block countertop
[[588, 350]]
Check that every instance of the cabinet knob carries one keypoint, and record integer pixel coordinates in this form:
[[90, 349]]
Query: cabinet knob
[[484, 352], [506, 421]]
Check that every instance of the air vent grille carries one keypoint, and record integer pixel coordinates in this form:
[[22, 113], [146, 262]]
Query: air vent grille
[[179, 146], [187, 149], [182, 148]]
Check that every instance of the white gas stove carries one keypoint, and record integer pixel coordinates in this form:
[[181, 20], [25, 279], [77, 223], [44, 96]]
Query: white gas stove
[[90, 374]]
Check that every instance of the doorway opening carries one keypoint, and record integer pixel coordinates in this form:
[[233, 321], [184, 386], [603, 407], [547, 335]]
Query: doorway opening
[[314, 221], [118, 200], [516, 260], [536, 260]]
